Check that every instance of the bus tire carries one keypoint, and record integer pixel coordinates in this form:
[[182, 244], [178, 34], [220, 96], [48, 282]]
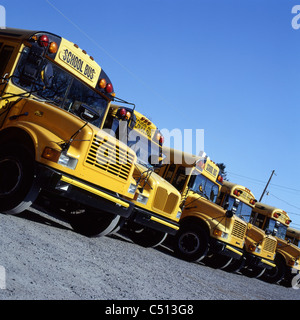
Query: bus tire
[[276, 274], [17, 179], [92, 223], [191, 243], [147, 237]]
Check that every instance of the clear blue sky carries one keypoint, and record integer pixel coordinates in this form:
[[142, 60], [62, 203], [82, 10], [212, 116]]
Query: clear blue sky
[[228, 67]]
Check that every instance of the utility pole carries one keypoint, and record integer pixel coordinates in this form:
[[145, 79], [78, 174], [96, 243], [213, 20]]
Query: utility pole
[[266, 186]]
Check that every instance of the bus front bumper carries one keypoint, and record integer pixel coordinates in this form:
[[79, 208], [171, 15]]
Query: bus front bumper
[[219, 247], [154, 221], [59, 185], [255, 261]]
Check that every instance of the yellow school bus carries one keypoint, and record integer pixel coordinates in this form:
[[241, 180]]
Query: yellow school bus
[[260, 248], [276, 221], [157, 202], [53, 151], [293, 235], [206, 229]]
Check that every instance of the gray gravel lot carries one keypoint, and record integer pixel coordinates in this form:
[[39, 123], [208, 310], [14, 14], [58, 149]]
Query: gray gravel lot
[[44, 259]]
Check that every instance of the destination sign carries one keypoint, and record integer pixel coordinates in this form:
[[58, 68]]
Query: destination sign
[[141, 126], [211, 169], [86, 69]]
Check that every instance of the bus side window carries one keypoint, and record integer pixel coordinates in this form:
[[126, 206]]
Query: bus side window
[[4, 58], [170, 172], [179, 179], [259, 220]]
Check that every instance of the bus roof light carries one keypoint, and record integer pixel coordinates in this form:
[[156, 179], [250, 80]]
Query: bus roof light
[[102, 83], [43, 41], [53, 47], [122, 113], [236, 193], [109, 88]]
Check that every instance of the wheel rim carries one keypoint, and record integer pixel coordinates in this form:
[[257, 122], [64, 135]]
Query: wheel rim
[[10, 176], [189, 242]]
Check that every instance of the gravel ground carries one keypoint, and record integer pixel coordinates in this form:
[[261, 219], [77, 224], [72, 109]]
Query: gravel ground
[[44, 259]]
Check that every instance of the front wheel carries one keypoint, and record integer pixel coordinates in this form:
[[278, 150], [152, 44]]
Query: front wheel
[[191, 243], [17, 188], [146, 237], [93, 223]]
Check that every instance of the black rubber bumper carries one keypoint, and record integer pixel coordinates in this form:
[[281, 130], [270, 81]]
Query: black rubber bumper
[[154, 221], [219, 247]]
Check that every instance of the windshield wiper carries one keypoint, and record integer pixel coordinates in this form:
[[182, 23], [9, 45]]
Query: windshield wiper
[[66, 144]]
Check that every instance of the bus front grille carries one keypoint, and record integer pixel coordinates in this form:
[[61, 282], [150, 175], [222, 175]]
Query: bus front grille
[[270, 245], [107, 156], [165, 202], [239, 229]]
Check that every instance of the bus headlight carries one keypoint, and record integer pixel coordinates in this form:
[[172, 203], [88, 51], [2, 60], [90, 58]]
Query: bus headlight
[[178, 215], [59, 157], [220, 233], [67, 161], [132, 188], [142, 199]]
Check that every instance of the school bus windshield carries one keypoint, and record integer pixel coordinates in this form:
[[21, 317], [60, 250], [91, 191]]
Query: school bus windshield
[[205, 187], [278, 227], [64, 91], [243, 210]]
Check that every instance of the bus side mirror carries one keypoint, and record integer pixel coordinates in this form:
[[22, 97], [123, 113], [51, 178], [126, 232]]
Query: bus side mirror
[[155, 161], [229, 214], [47, 75], [87, 114], [268, 232]]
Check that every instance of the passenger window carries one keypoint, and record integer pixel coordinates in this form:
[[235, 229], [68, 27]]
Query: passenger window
[[4, 58], [179, 179], [170, 172]]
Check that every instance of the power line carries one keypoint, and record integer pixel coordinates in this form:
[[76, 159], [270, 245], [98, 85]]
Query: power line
[[263, 182], [284, 201]]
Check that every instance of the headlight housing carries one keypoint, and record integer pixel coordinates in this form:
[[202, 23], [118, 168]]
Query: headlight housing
[[220, 233], [59, 157], [132, 188], [142, 199], [67, 161]]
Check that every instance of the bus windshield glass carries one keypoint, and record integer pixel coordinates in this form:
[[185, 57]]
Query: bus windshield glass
[[243, 210], [278, 227], [65, 91], [138, 142], [205, 187]]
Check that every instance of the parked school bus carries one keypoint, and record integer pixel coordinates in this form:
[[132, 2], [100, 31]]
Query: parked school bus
[[157, 202], [276, 221], [260, 248], [206, 229], [54, 101], [293, 235]]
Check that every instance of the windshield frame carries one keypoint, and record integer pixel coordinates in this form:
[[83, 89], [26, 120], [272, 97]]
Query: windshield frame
[[63, 95], [243, 210], [280, 228], [208, 187]]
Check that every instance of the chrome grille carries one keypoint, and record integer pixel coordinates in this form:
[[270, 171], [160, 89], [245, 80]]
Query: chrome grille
[[270, 245], [107, 156], [239, 229]]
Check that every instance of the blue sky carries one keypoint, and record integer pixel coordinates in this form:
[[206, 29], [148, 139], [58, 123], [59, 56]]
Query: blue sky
[[228, 67]]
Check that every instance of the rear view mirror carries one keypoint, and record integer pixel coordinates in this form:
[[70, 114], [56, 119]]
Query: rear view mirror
[[47, 75], [87, 113], [32, 68]]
